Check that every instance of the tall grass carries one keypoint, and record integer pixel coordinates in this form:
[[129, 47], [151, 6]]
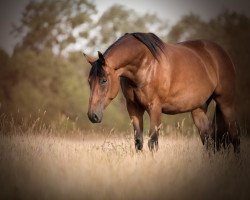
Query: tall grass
[[44, 164]]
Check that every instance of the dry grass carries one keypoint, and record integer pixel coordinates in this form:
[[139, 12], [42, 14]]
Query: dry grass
[[49, 167]]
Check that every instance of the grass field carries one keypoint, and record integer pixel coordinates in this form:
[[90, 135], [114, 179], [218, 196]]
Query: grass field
[[43, 166]]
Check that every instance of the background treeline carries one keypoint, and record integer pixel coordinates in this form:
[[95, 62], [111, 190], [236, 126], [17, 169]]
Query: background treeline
[[45, 79]]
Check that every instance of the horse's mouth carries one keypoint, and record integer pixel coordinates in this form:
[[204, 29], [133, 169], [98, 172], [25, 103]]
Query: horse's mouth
[[95, 121]]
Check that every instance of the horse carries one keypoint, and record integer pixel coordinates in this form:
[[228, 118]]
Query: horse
[[157, 77]]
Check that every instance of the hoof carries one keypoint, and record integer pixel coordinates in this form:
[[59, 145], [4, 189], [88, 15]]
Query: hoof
[[237, 149], [225, 140], [153, 145], [138, 144], [236, 144]]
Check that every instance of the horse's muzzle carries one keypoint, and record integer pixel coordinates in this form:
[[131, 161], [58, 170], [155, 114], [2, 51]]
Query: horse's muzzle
[[94, 117]]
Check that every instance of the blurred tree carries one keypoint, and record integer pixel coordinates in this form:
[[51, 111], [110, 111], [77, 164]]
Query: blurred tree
[[4, 84], [185, 28], [4, 59], [43, 82], [48, 23], [118, 20], [51, 88]]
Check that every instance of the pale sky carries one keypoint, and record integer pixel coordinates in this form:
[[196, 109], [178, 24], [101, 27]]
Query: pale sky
[[170, 10]]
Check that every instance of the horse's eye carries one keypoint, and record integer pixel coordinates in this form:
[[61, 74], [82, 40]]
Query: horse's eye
[[103, 81]]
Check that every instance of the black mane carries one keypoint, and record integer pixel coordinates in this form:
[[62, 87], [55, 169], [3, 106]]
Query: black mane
[[152, 42]]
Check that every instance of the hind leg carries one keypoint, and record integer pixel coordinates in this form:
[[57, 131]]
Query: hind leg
[[220, 135], [202, 123], [227, 109]]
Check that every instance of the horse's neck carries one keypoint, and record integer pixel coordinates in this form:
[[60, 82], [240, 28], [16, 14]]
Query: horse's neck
[[125, 59]]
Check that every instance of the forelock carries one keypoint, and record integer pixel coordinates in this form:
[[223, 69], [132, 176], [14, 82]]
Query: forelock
[[97, 70]]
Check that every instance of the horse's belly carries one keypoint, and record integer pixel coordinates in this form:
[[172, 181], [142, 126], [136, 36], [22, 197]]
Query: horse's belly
[[175, 109], [184, 103]]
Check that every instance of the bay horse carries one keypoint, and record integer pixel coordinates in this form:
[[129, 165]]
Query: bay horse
[[166, 78]]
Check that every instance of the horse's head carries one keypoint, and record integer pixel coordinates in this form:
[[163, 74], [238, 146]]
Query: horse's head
[[104, 86]]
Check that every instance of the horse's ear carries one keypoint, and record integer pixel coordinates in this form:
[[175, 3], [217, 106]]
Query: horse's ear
[[101, 58], [90, 59]]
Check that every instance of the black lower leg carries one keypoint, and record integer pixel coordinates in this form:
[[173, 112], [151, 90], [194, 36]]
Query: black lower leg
[[153, 141]]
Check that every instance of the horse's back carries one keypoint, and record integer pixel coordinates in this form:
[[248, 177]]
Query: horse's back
[[211, 51], [219, 59]]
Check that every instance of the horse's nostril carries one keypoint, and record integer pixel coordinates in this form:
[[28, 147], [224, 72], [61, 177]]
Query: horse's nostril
[[95, 117]]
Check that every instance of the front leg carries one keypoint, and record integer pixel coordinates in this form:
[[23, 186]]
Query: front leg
[[155, 122], [136, 115]]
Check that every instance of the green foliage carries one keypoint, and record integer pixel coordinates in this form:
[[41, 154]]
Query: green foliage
[[49, 24], [52, 88]]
